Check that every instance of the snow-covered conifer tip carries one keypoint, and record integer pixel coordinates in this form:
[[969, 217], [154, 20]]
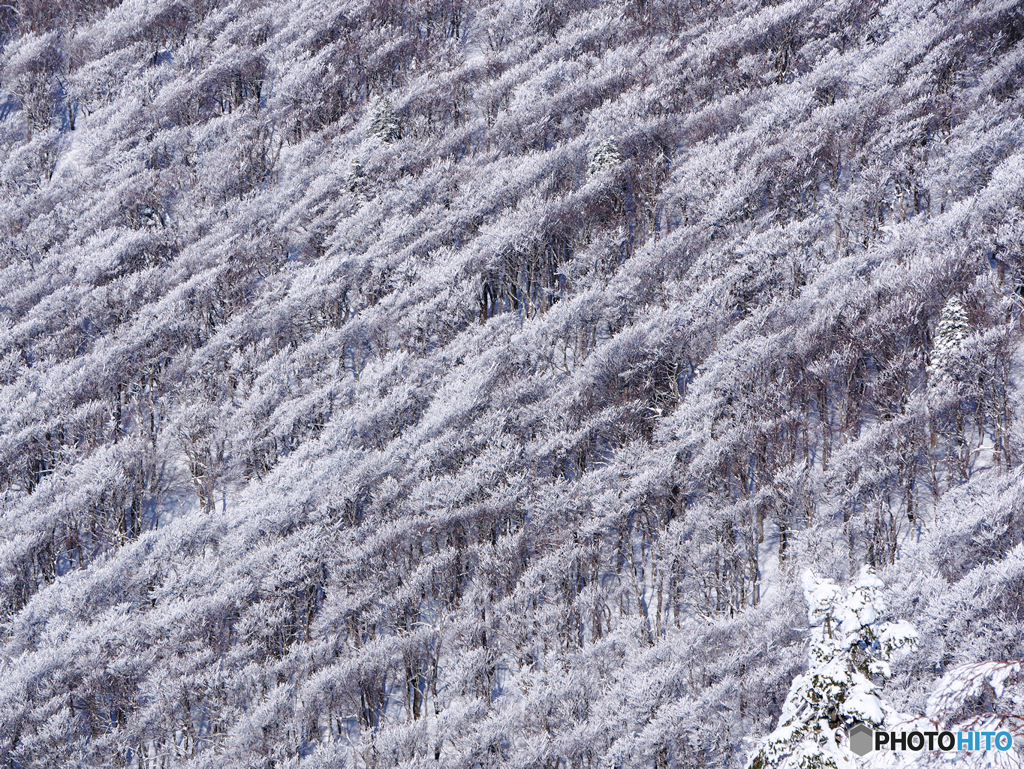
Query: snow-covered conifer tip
[[385, 125], [604, 156], [355, 177], [952, 329]]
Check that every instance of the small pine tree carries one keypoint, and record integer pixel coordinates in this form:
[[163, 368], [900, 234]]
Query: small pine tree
[[604, 156], [953, 328], [849, 645], [355, 178], [385, 125]]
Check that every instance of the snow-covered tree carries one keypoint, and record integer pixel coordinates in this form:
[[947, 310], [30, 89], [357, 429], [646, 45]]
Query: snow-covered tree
[[950, 333], [954, 706], [355, 176], [850, 648], [604, 156], [333, 518], [384, 124]]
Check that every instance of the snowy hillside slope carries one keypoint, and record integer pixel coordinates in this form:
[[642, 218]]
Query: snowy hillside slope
[[466, 383]]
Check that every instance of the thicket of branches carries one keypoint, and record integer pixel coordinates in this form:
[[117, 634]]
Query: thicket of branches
[[466, 383]]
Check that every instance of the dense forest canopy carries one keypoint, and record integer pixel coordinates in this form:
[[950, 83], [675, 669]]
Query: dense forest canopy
[[468, 383]]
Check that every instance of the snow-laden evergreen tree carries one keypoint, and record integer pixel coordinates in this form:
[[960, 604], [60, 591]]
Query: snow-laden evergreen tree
[[355, 179], [850, 649], [953, 328], [604, 156], [385, 125]]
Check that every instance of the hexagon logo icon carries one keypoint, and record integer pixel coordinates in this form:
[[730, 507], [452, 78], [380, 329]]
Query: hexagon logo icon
[[862, 738]]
